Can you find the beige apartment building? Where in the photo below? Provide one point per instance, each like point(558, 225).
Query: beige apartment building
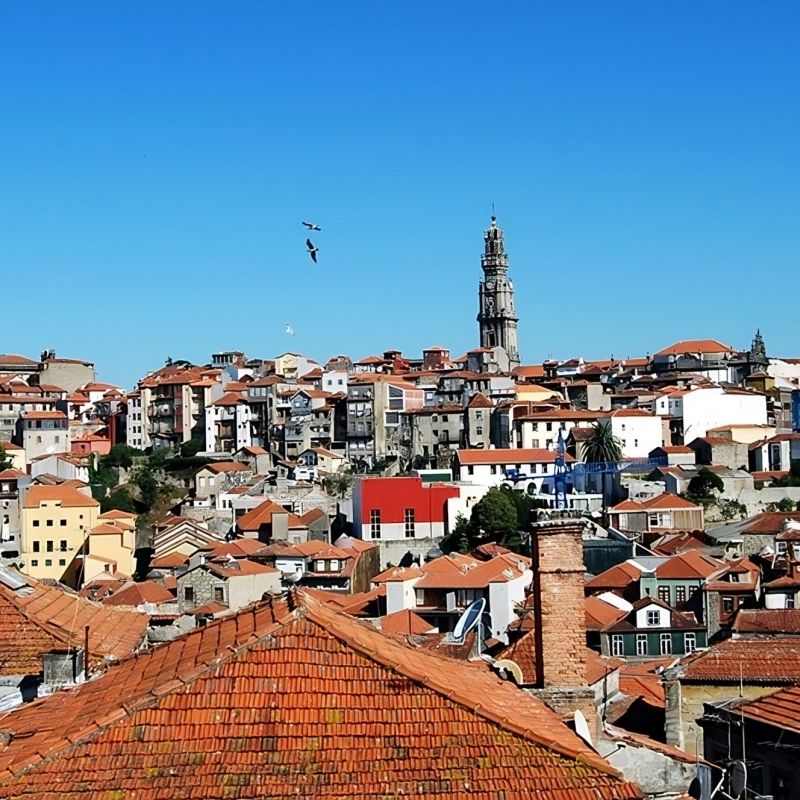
point(54, 528)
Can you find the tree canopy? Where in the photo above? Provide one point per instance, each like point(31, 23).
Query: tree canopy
point(602, 445)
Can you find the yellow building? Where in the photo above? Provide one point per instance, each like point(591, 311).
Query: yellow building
point(112, 543)
point(54, 529)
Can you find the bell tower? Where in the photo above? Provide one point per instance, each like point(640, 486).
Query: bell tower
point(497, 313)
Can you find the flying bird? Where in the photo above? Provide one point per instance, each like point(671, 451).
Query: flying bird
point(289, 329)
point(312, 251)
point(312, 226)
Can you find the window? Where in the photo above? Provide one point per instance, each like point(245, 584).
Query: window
point(663, 594)
point(689, 643)
point(219, 594)
point(790, 600)
point(641, 644)
point(333, 565)
point(548, 426)
point(375, 523)
point(320, 566)
point(63, 545)
point(49, 523)
point(36, 523)
point(470, 470)
point(36, 547)
point(62, 562)
point(617, 645)
point(34, 562)
point(420, 596)
point(653, 617)
point(62, 523)
point(666, 644)
point(635, 442)
point(680, 595)
point(48, 562)
point(727, 605)
point(49, 545)
point(188, 594)
point(408, 519)
point(479, 431)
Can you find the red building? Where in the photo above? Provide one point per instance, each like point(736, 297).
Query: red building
point(400, 508)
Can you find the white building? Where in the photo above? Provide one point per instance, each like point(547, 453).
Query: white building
point(228, 424)
point(440, 590)
point(638, 431)
point(701, 408)
point(494, 467)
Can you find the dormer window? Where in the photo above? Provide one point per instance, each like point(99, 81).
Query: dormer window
point(653, 618)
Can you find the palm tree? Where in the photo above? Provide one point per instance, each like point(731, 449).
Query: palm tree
point(601, 447)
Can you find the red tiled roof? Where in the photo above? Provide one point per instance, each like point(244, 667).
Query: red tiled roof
point(641, 680)
point(262, 515)
point(690, 565)
point(617, 577)
point(769, 522)
point(456, 571)
point(780, 709)
point(67, 496)
point(134, 594)
point(46, 618)
point(285, 703)
point(767, 621)
point(397, 574)
point(758, 660)
point(480, 401)
point(689, 346)
point(599, 613)
point(509, 456)
point(169, 561)
point(405, 622)
point(226, 466)
point(238, 567)
point(666, 501)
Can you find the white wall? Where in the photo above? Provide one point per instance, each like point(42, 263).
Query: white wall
point(469, 494)
point(246, 589)
point(713, 407)
point(641, 617)
point(400, 595)
point(503, 598)
point(638, 434)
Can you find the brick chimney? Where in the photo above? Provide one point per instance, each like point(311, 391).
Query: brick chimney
point(560, 617)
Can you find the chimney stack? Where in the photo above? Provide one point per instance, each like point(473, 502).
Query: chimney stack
point(560, 617)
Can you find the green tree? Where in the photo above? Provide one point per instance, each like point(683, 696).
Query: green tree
point(121, 455)
point(120, 498)
point(731, 509)
point(494, 516)
point(460, 538)
point(338, 485)
point(703, 486)
point(5, 461)
point(784, 505)
point(191, 448)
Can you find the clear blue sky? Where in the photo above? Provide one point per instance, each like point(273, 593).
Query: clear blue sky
point(157, 159)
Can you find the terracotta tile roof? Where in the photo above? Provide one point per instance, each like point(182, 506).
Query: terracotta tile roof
point(397, 574)
point(528, 371)
point(11, 474)
point(67, 496)
point(671, 543)
point(480, 401)
point(262, 515)
point(405, 622)
point(769, 522)
point(674, 449)
point(665, 501)
point(619, 576)
point(780, 709)
point(557, 413)
point(641, 680)
point(691, 565)
point(767, 621)
point(15, 360)
point(235, 568)
point(689, 346)
point(456, 571)
point(312, 515)
point(640, 740)
point(231, 399)
point(225, 466)
point(509, 456)
point(773, 660)
point(238, 548)
point(203, 711)
point(44, 415)
point(41, 617)
point(630, 412)
point(597, 666)
point(599, 613)
point(134, 594)
point(169, 561)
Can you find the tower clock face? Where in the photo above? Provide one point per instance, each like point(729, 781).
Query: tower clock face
point(489, 286)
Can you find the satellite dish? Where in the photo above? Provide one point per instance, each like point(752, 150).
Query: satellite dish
point(695, 788)
point(738, 779)
point(469, 619)
point(582, 727)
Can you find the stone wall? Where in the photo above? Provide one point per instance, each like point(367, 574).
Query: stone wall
point(203, 582)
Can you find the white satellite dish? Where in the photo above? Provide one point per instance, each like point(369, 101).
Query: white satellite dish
point(738, 779)
point(582, 727)
point(469, 619)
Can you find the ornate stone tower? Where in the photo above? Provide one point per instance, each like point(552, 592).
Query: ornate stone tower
point(497, 313)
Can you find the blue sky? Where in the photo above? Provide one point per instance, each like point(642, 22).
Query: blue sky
point(157, 159)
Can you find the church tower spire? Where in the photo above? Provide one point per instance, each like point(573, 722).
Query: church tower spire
point(497, 314)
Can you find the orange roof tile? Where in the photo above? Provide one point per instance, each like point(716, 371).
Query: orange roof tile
point(45, 617)
point(780, 709)
point(134, 594)
point(690, 565)
point(225, 466)
point(617, 577)
point(689, 346)
point(406, 622)
point(767, 621)
point(262, 515)
point(227, 707)
point(67, 496)
point(237, 567)
point(509, 456)
point(599, 613)
point(758, 660)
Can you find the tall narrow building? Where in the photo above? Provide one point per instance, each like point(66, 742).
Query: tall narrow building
point(497, 313)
